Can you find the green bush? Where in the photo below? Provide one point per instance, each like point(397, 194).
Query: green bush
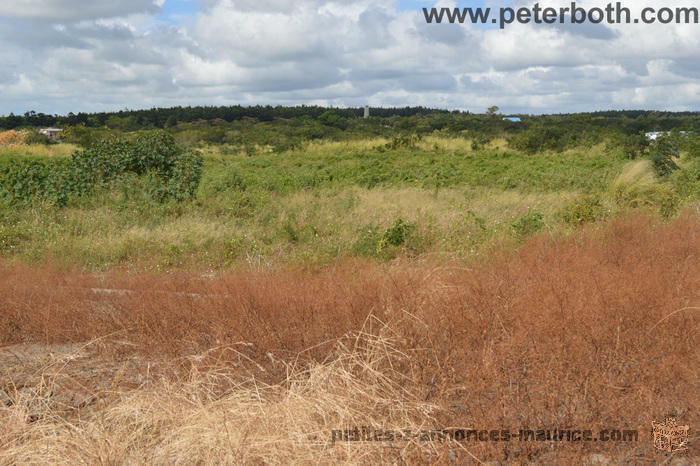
point(664, 150)
point(372, 242)
point(480, 141)
point(553, 137)
point(632, 145)
point(397, 234)
point(84, 136)
point(331, 118)
point(404, 141)
point(170, 171)
point(686, 182)
point(528, 224)
point(35, 137)
point(537, 139)
point(585, 209)
point(366, 243)
point(668, 202)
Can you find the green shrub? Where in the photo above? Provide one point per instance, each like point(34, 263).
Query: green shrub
point(401, 234)
point(331, 118)
point(84, 136)
point(664, 150)
point(35, 137)
point(366, 243)
point(397, 234)
point(480, 141)
point(528, 224)
point(227, 179)
point(537, 139)
point(24, 181)
point(583, 210)
point(404, 141)
point(634, 145)
point(285, 146)
point(686, 182)
point(668, 202)
point(171, 172)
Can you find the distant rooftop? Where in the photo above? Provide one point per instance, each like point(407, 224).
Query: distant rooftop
point(51, 133)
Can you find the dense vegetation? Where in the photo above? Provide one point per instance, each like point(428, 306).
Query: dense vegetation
point(169, 171)
point(325, 184)
point(637, 120)
point(233, 288)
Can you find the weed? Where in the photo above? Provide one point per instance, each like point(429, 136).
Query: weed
point(584, 209)
point(217, 368)
point(528, 224)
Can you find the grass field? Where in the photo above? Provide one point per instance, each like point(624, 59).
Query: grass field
point(327, 201)
point(36, 151)
point(390, 283)
point(591, 331)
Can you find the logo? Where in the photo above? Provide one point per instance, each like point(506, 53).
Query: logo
point(669, 436)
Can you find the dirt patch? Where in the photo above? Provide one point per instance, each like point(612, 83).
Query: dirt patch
point(63, 378)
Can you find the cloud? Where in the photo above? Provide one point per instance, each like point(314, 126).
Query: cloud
point(62, 55)
point(75, 10)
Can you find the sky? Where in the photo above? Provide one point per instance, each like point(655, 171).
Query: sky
point(60, 56)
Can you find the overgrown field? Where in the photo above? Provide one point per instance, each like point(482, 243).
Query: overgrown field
point(597, 330)
point(324, 201)
point(171, 303)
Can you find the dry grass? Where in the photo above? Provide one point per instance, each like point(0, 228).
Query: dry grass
point(636, 173)
point(11, 138)
point(99, 237)
point(591, 331)
point(37, 150)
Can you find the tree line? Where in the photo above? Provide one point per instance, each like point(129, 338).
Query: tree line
point(132, 120)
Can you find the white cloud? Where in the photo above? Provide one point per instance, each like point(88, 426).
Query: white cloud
point(73, 10)
point(63, 55)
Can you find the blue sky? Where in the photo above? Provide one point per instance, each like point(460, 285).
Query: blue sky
point(174, 11)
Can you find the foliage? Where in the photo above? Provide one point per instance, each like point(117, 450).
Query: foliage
point(480, 141)
point(542, 137)
point(374, 243)
point(84, 136)
point(171, 172)
point(35, 137)
point(404, 141)
point(307, 204)
point(668, 202)
point(397, 234)
point(582, 210)
point(663, 151)
point(331, 118)
point(632, 145)
point(528, 224)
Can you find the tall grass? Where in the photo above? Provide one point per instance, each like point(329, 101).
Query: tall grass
point(36, 151)
point(594, 330)
point(324, 201)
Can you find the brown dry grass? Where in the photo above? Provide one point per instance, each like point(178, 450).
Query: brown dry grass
point(11, 138)
point(591, 331)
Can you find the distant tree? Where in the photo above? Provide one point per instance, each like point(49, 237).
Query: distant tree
point(331, 118)
point(492, 110)
point(171, 121)
point(664, 150)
